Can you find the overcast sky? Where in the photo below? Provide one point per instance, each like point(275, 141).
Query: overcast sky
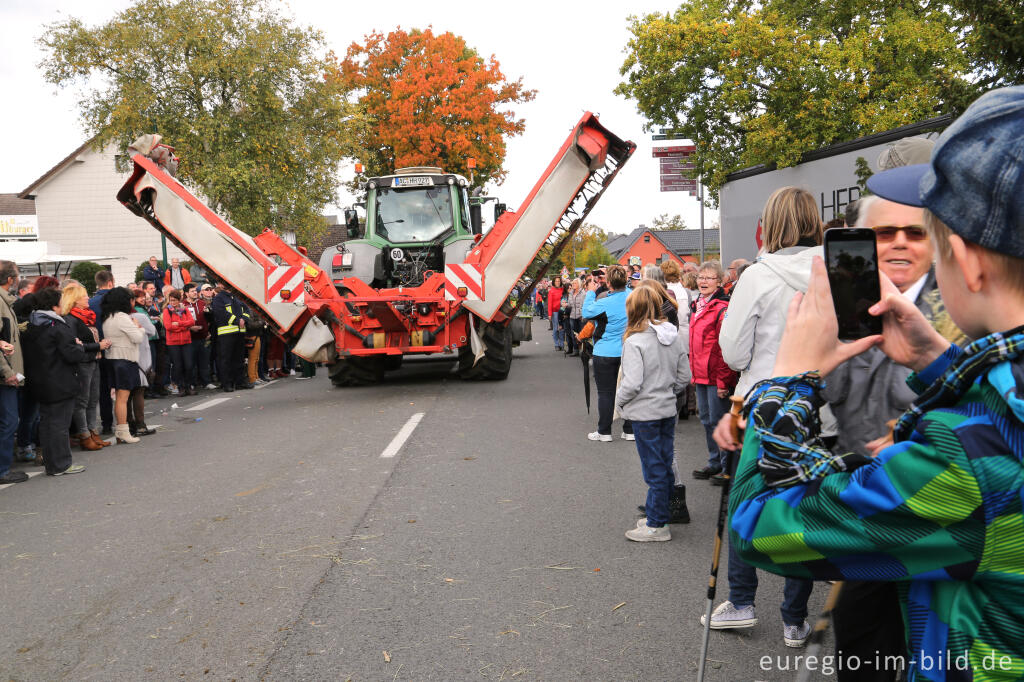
point(570, 52)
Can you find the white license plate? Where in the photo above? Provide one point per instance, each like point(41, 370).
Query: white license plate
point(413, 182)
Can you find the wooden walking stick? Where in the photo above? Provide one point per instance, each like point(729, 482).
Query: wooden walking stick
point(723, 512)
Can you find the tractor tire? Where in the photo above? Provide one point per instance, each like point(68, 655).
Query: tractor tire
point(354, 371)
point(497, 359)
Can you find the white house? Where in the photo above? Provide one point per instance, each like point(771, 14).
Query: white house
point(77, 209)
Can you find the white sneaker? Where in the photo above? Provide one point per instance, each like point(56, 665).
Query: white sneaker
point(641, 522)
point(728, 617)
point(628, 436)
point(796, 635)
point(645, 533)
point(211, 386)
point(604, 438)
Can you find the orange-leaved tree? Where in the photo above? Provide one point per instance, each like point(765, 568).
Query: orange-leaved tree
point(432, 101)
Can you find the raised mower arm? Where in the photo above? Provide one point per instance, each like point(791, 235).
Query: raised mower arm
point(245, 265)
point(563, 196)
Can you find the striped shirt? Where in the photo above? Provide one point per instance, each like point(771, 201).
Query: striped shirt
point(939, 512)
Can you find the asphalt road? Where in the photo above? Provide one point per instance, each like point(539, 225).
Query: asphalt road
point(272, 541)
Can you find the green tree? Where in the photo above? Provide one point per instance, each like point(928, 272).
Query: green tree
point(589, 247)
point(432, 101)
point(664, 222)
point(236, 88)
point(762, 82)
point(993, 32)
point(85, 274)
point(863, 172)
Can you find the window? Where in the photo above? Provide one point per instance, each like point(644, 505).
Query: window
point(647, 239)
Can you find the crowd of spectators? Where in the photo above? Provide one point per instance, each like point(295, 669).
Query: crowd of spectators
point(75, 368)
point(892, 463)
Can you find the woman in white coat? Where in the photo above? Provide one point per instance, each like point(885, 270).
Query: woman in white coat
point(750, 337)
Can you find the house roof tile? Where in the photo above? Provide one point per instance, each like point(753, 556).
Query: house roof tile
point(11, 204)
point(679, 241)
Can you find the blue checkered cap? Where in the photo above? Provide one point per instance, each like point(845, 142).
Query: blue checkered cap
point(975, 180)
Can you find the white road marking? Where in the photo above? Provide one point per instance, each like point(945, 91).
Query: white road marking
point(403, 435)
point(31, 474)
point(209, 403)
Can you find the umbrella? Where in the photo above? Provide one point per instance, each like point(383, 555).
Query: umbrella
point(586, 352)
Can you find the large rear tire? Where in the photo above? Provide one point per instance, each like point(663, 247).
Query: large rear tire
point(356, 371)
point(497, 359)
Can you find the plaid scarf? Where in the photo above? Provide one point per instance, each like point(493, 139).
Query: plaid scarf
point(784, 413)
point(977, 357)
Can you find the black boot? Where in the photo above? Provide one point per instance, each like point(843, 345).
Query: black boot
point(677, 511)
point(131, 428)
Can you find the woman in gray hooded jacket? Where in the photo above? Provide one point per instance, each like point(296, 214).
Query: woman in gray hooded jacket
point(655, 368)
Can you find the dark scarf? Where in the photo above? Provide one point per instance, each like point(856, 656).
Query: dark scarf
point(976, 359)
point(85, 315)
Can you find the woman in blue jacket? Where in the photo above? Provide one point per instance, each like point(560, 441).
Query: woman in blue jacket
point(608, 349)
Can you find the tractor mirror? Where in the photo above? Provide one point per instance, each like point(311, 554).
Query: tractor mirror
point(476, 219)
point(352, 222)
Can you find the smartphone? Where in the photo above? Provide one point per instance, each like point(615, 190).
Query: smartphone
point(852, 261)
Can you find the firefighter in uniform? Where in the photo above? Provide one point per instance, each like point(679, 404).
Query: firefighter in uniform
point(229, 319)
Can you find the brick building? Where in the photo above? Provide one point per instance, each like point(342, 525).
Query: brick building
point(655, 246)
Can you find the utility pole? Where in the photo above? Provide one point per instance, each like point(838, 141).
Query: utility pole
point(700, 198)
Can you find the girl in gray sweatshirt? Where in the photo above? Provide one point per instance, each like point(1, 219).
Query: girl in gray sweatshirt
point(655, 368)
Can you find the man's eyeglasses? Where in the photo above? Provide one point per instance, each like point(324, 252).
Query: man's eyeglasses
point(913, 233)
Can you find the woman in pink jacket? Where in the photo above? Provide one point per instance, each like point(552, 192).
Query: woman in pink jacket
point(712, 378)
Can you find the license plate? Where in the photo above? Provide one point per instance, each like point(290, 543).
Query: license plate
point(413, 182)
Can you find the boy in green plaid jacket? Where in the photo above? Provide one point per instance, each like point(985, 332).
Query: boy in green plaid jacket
point(939, 510)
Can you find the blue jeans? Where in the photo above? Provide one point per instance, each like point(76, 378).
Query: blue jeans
point(8, 426)
point(557, 333)
point(743, 587)
point(711, 409)
point(655, 444)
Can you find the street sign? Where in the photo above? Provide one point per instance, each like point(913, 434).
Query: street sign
point(671, 183)
point(678, 150)
point(668, 134)
point(672, 165)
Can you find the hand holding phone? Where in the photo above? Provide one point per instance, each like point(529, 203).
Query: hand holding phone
point(810, 341)
point(852, 261)
point(909, 338)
